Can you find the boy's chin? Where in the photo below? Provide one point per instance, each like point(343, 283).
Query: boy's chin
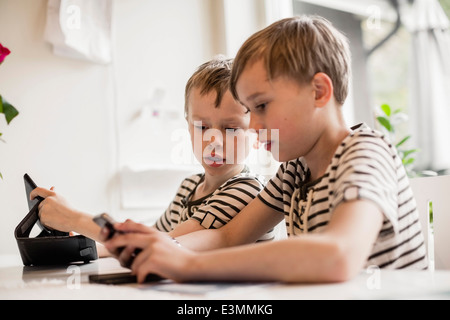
point(213, 165)
point(220, 168)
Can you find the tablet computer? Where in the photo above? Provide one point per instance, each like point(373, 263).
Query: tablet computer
point(50, 246)
point(30, 185)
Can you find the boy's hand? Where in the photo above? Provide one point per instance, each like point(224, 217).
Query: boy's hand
point(54, 211)
point(124, 254)
point(159, 253)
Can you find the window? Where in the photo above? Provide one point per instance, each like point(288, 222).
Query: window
point(394, 72)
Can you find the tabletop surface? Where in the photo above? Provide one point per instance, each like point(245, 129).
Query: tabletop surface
point(72, 282)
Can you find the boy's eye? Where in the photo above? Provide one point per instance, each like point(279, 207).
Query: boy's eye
point(200, 127)
point(232, 129)
point(260, 106)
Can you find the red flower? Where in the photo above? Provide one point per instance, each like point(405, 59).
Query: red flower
point(4, 51)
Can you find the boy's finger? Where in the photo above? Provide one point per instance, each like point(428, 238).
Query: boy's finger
point(126, 256)
point(140, 260)
point(131, 226)
point(137, 240)
point(41, 192)
point(104, 234)
point(137, 261)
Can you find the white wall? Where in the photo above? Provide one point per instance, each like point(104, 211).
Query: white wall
point(65, 133)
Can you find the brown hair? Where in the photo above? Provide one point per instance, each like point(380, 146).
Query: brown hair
point(298, 48)
point(212, 75)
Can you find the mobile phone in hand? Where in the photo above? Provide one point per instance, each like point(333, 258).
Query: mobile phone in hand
point(104, 220)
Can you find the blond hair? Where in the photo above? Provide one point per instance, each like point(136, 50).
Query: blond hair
point(298, 48)
point(212, 75)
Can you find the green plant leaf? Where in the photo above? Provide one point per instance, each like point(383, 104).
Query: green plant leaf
point(386, 109)
point(407, 162)
point(403, 141)
point(1, 175)
point(385, 123)
point(8, 110)
point(408, 152)
point(430, 210)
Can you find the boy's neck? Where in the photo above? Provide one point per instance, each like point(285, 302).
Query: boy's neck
point(211, 183)
point(320, 157)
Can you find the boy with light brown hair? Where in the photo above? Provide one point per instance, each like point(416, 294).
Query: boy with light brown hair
point(218, 126)
point(343, 192)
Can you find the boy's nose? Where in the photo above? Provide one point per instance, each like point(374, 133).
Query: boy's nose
point(216, 139)
point(215, 145)
point(255, 123)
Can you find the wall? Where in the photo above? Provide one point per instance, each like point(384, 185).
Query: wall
point(75, 116)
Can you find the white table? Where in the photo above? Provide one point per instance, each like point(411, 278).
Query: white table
point(19, 282)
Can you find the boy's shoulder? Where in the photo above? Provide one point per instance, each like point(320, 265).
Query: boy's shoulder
point(294, 168)
point(245, 178)
point(366, 153)
point(363, 135)
point(363, 129)
point(192, 179)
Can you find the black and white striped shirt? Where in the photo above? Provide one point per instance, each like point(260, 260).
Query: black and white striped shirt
point(364, 166)
point(216, 209)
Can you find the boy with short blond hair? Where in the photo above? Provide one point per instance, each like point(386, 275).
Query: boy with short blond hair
point(343, 192)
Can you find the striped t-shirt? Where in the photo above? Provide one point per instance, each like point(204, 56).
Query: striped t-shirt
point(216, 209)
point(364, 166)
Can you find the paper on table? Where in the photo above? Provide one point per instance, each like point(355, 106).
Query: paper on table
point(207, 288)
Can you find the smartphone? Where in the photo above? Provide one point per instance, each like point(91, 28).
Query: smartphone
point(121, 278)
point(104, 220)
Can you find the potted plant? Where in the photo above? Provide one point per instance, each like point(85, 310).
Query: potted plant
point(388, 120)
point(5, 107)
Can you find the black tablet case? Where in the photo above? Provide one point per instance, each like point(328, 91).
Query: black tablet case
point(51, 248)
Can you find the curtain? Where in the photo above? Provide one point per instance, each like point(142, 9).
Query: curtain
point(430, 85)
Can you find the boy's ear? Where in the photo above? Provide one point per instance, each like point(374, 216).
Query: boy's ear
point(323, 87)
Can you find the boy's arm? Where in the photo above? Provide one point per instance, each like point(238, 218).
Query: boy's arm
point(186, 227)
point(246, 227)
point(56, 213)
point(336, 254)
